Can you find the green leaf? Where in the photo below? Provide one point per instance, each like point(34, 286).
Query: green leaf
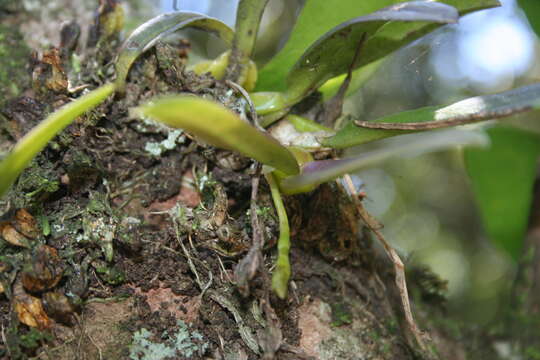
point(532, 10)
point(479, 108)
point(502, 178)
point(219, 126)
point(318, 172)
point(146, 35)
point(320, 16)
point(333, 53)
point(33, 142)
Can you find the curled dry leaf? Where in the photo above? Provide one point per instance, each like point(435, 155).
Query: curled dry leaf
point(45, 270)
point(26, 224)
point(29, 309)
point(12, 236)
point(20, 229)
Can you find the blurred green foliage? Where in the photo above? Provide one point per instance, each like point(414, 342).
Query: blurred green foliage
point(502, 178)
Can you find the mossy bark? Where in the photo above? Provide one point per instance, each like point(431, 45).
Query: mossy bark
point(151, 241)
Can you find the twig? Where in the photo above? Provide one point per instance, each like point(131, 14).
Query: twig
point(439, 124)
point(248, 266)
point(252, 110)
point(334, 107)
point(399, 268)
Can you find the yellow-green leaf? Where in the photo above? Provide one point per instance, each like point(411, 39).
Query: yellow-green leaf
point(219, 126)
point(33, 142)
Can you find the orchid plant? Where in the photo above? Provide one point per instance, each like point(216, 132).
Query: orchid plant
point(333, 57)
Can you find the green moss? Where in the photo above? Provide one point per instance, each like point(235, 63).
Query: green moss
point(341, 315)
point(35, 183)
point(14, 57)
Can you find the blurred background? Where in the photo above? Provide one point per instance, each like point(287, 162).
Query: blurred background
point(425, 202)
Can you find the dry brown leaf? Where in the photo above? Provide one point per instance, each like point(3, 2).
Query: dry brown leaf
point(29, 309)
point(12, 236)
point(45, 270)
point(26, 224)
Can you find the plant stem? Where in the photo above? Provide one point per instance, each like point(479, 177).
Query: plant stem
point(248, 19)
point(282, 272)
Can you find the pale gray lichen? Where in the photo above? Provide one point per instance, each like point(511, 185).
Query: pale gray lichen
point(156, 149)
point(182, 343)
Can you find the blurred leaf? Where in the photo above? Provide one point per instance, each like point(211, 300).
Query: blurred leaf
point(318, 172)
point(146, 35)
point(502, 178)
point(473, 109)
point(320, 16)
point(220, 127)
point(332, 54)
point(33, 142)
point(532, 10)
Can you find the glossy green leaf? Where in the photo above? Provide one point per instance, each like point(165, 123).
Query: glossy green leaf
point(33, 142)
point(532, 11)
point(320, 16)
point(502, 178)
point(333, 53)
point(146, 35)
point(474, 109)
point(318, 172)
point(219, 126)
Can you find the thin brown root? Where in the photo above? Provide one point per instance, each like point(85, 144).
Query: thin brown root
point(247, 267)
point(399, 268)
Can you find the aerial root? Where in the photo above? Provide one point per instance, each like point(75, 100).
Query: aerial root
point(399, 268)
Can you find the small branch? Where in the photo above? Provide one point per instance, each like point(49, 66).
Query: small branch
point(246, 96)
point(439, 124)
point(248, 266)
point(334, 107)
point(399, 268)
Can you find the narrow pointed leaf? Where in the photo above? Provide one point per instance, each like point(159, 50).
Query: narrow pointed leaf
point(146, 35)
point(502, 178)
point(33, 142)
point(318, 172)
point(479, 108)
point(219, 126)
point(320, 16)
